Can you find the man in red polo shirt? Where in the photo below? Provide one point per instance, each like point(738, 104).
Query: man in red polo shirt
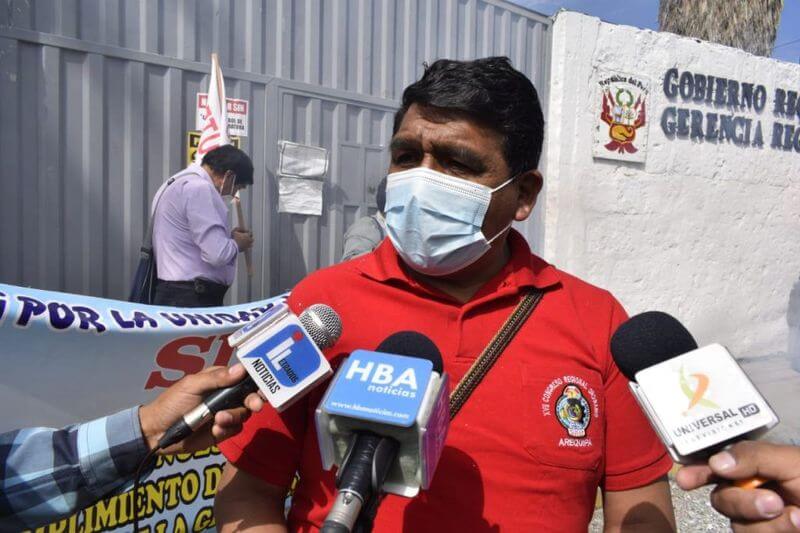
point(464, 154)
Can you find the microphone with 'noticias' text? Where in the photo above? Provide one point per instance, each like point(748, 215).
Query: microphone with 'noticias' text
point(383, 421)
point(699, 400)
point(281, 353)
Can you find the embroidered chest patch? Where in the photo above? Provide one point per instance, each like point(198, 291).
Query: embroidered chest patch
point(573, 403)
point(573, 411)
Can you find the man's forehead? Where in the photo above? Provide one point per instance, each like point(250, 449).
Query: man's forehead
point(444, 128)
point(408, 140)
point(437, 116)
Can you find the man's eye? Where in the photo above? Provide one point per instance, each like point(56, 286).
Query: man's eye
point(459, 167)
point(403, 159)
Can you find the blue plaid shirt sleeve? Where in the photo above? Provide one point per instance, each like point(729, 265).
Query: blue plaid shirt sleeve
point(47, 474)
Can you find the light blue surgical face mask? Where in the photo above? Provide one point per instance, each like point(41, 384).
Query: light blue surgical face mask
point(434, 220)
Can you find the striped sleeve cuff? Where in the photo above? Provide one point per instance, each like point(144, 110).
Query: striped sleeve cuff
point(110, 449)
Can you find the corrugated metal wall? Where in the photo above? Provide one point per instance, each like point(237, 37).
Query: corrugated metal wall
point(96, 97)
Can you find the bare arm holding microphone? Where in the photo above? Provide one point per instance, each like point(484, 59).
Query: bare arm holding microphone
point(774, 507)
point(49, 474)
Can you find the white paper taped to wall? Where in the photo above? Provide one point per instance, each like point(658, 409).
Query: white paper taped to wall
point(299, 195)
point(302, 161)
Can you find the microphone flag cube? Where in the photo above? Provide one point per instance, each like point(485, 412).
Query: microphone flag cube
point(280, 356)
point(381, 387)
point(699, 401)
point(394, 396)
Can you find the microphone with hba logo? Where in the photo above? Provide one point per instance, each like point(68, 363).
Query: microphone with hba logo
point(698, 400)
point(383, 422)
point(281, 353)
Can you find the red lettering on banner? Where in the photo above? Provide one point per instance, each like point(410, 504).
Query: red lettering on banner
point(173, 356)
point(170, 357)
point(211, 122)
point(208, 143)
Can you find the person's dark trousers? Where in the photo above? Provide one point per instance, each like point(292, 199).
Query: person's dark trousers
point(197, 293)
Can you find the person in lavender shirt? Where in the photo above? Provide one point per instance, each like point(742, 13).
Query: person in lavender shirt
point(194, 246)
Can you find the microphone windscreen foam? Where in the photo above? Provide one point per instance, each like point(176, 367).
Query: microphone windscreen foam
point(647, 339)
point(413, 344)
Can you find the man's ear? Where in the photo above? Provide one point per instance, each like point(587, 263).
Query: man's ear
point(529, 185)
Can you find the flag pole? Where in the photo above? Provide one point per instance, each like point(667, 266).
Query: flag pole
point(248, 255)
point(237, 201)
point(220, 87)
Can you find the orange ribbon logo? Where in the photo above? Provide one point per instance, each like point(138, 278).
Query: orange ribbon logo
point(696, 395)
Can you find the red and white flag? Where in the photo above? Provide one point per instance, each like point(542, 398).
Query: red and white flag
point(215, 128)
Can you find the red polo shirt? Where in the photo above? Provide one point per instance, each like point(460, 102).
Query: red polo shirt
point(550, 422)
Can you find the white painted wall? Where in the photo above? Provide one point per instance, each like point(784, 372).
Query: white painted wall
point(707, 232)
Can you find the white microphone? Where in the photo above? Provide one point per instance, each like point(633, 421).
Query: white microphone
point(281, 353)
point(698, 400)
point(383, 422)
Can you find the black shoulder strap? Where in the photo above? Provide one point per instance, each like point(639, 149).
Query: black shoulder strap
point(492, 352)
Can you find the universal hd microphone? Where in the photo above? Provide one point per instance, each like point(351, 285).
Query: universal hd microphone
point(698, 400)
point(383, 422)
point(281, 353)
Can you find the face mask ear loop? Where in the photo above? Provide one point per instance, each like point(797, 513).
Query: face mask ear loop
point(490, 241)
point(509, 180)
point(225, 182)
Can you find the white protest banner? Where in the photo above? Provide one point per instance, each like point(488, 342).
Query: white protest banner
point(213, 132)
point(236, 110)
point(68, 358)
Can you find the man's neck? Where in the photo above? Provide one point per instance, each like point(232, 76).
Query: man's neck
point(463, 285)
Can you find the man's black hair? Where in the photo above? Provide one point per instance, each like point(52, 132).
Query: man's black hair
point(491, 92)
point(228, 157)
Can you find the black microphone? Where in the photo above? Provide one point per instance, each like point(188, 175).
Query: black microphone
point(647, 339)
point(374, 447)
point(319, 322)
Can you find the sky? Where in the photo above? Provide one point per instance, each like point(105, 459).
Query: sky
point(644, 14)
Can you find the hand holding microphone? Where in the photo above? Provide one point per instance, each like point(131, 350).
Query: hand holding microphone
point(774, 507)
point(280, 352)
point(169, 407)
